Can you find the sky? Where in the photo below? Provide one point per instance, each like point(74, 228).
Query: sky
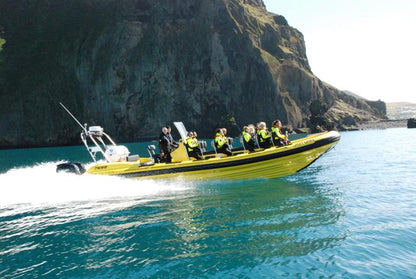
point(367, 47)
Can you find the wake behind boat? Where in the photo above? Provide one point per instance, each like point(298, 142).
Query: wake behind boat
point(272, 162)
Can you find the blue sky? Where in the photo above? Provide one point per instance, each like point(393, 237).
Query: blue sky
point(364, 46)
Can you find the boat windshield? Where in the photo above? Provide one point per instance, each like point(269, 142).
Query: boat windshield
point(181, 129)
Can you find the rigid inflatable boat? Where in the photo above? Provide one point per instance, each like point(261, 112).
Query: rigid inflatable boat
point(112, 159)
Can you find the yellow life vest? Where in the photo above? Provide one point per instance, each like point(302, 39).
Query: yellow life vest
point(246, 136)
point(277, 134)
point(263, 135)
point(191, 143)
point(220, 140)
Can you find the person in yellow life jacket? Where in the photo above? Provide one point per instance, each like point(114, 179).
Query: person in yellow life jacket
point(279, 139)
point(192, 146)
point(248, 141)
point(221, 143)
point(196, 142)
point(229, 140)
point(263, 136)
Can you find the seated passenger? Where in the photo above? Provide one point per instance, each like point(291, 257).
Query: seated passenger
point(278, 138)
point(253, 133)
point(195, 138)
point(263, 136)
point(192, 146)
point(248, 141)
point(221, 143)
point(229, 140)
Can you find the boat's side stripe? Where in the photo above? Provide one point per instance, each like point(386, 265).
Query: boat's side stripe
point(316, 144)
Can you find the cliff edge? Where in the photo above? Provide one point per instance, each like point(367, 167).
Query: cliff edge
point(133, 66)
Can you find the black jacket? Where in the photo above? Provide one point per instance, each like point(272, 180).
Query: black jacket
point(164, 143)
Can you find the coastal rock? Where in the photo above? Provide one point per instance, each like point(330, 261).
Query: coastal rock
point(411, 123)
point(133, 66)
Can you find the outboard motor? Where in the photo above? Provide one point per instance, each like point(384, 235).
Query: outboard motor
point(71, 167)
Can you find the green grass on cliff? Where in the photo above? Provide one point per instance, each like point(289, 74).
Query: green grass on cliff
point(260, 14)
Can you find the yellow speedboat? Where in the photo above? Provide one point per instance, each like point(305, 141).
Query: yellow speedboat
point(263, 163)
point(269, 163)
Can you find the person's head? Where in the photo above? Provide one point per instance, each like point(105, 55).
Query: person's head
point(261, 126)
point(246, 129)
point(169, 129)
point(165, 130)
point(277, 123)
point(224, 131)
point(189, 134)
point(194, 134)
point(218, 131)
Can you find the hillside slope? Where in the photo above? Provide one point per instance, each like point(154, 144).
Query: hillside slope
point(135, 65)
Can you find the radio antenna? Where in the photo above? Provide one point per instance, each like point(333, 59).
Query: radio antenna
point(76, 120)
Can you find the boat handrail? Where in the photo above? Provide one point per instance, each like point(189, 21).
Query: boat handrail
point(242, 141)
point(213, 145)
point(94, 149)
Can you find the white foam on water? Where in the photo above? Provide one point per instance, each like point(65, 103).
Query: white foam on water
point(41, 185)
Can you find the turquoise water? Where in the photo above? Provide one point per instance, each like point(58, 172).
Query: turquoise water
point(352, 214)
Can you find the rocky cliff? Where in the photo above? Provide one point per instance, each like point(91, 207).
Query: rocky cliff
point(135, 65)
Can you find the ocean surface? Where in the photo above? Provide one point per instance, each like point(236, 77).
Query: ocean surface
point(351, 214)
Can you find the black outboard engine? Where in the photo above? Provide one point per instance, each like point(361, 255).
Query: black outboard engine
point(71, 167)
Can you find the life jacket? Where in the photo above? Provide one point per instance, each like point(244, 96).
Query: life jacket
point(219, 140)
point(189, 143)
point(194, 142)
point(246, 136)
point(277, 134)
point(263, 136)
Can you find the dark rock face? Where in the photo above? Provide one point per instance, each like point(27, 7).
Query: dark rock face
point(411, 123)
point(132, 66)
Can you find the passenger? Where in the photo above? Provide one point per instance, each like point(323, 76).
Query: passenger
point(229, 140)
point(165, 146)
point(197, 148)
point(252, 131)
point(221, 142)
point(173, 143)
point(278, 138)
point(263, 136)
point(248, 141)
point(191, 144)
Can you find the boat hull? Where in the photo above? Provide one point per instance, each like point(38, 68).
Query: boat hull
point(270, 163)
